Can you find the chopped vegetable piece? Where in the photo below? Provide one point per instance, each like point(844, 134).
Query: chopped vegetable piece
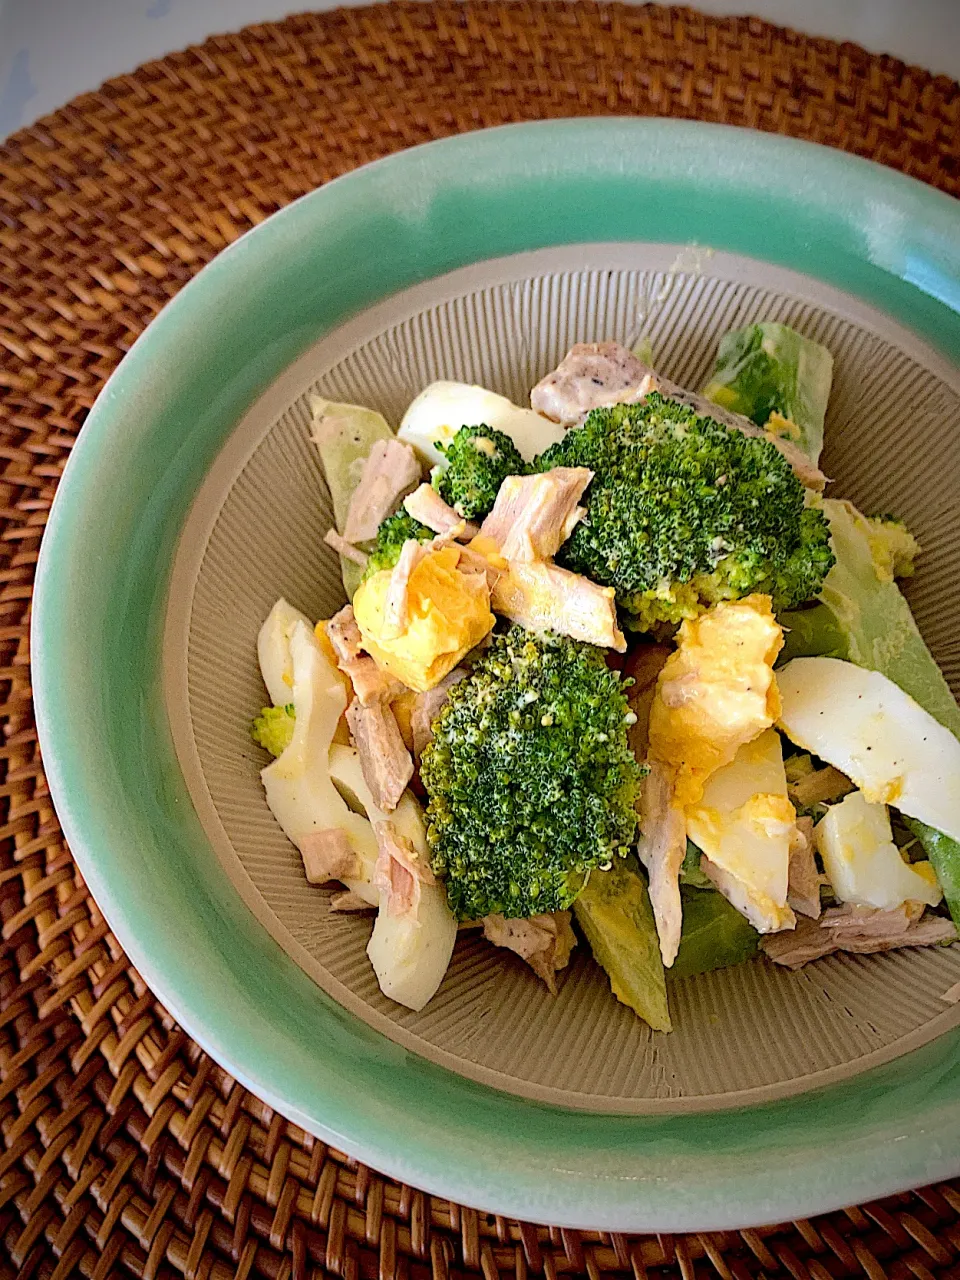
point(397, 529)
point(865, 619)
point(944, 855)
point(690, 872)
point(769, 369)
point(344, 435)
point(615, 915)
point(531, 781)
point(715, 935)
point(478, 460)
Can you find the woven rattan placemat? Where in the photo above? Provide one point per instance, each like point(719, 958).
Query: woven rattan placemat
point(125, 1149)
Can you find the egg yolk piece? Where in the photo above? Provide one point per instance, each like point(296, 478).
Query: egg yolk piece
point(716, 692)
point(448, 614)
point(745, 824)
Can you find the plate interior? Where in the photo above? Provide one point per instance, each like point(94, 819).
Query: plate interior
point(256, 532)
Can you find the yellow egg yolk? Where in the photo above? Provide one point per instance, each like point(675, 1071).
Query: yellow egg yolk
point(716, 692)
point(448, 614)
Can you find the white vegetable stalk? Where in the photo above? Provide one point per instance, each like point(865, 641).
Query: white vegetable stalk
point(300, 791)
point(410, 952)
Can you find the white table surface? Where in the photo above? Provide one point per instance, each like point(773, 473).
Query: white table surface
point(51, 50)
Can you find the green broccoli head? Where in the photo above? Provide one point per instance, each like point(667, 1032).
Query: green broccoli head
point(392, 534)
point(530, 779)
point(683, 512)
point(273, 728)
point(895, 549)
point(478, 460)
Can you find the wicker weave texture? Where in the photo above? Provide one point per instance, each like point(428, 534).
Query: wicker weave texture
point(125, 1150)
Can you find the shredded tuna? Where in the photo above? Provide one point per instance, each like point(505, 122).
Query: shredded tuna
point(472, 561)
point(851, 921)
point(823, 786)
point(396, 610)
point(544, 942)
point(590, 376)
point(329, 855)
point(534, 515)
point(426, 505)
point(350, 901)
point(543, 597)
point(399, 872)
point(426, 708)
point(345, 548)
point(644, 664)
point(386, 763)
point(599, 374)
point(370, 683)
point(861, 930)
point(807, 472)
point(344, 634)
point(390, 471)
point(662, 845)
point(804, 880)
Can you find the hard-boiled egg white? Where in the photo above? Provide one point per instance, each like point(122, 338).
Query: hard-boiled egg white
point(869, 729)
point(863, 864)
point(347, 773)
point(410, 953)
point(298, 786)
point(744, 824)
point(273, 651)
point(442, 408)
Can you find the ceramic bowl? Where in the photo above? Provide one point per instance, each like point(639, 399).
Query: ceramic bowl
point(194, 499)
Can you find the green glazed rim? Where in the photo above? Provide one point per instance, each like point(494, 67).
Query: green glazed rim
point(101, 594)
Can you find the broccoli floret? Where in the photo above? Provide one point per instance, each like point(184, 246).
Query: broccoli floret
point(392, 534)
point(530, 779)
point(683, 512)
point(894, 547)
point(478, 460)
point(273, 728)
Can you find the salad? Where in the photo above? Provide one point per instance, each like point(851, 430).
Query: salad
point(615, 673)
